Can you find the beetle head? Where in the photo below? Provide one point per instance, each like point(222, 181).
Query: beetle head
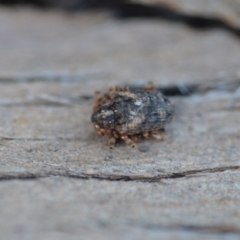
point(104, 116)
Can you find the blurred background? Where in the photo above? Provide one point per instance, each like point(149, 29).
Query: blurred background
point(58, 176)
point(167, 41)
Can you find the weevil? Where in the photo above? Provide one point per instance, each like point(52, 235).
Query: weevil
point(128, 115)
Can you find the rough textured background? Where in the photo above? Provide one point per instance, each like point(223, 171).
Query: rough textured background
point(59, 180)
point(229, 10)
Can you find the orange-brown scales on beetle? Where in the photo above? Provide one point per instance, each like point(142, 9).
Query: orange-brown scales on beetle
point(128, 115)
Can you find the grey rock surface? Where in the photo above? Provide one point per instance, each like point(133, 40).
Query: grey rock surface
point(58, 178)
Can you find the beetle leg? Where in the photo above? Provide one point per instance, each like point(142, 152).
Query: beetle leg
point(102, 131)
point(115, 134)
point(112, 142)
point(128, 141)
point(158, 136)
point(99, 99)
point(112, 90)
point(150, 86)
point(124, 89)
point(146, 134)
point(134, 138)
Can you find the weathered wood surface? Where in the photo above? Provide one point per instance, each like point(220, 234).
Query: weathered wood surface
point(59, 180)
point(227, 10)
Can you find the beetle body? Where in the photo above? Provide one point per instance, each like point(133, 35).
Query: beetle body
point(127, 114)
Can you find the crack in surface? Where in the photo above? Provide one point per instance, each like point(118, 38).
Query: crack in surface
point(214, 229)
point(112, 177)
point(128, 9)
point(172, 14)
point(181, 89)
